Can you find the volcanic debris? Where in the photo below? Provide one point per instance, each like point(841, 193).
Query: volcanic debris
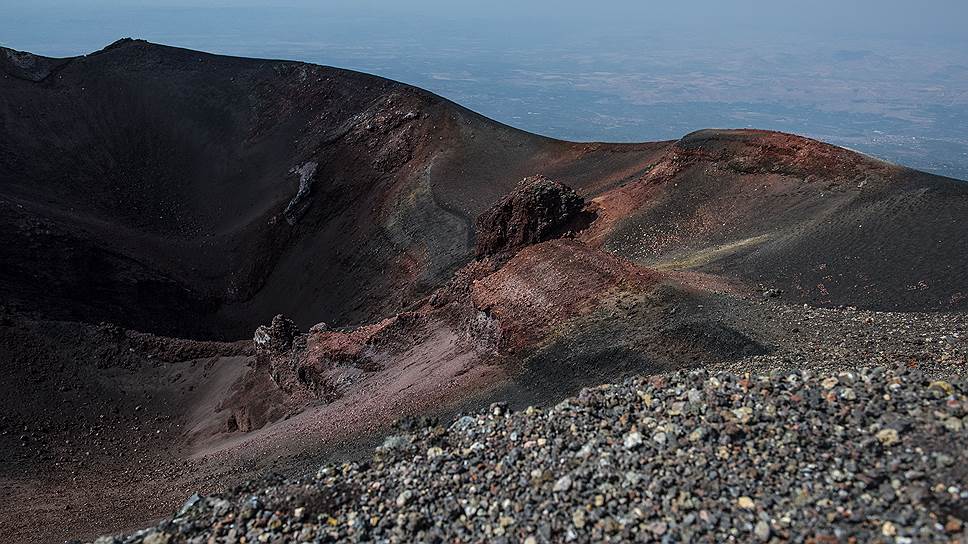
point(873, 454)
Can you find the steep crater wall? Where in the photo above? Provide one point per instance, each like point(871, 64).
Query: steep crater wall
point(197, 195)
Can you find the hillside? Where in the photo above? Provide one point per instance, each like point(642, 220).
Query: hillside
point(216, 267)
point(185, 193)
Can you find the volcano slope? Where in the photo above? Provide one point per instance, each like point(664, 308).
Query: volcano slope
point(161, 204)
point(187, 193)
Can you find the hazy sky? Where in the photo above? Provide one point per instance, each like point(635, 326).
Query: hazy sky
point(889, 77)
point(72, 27)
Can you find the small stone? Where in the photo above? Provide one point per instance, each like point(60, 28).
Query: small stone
point(762, 531)
point(697, 434)
point(156, 538)
point(319, 328)
point(658, 528)
point(395, 442)
point(404, 497)
point(888, 437)
point(744, 414)
point(498, 409)
point(829, 383)
point(578, 518)
point(463, 424)
point(944, 460)
point(189, 504)
point(220, 507)
point(942, 386)
point(607, 461)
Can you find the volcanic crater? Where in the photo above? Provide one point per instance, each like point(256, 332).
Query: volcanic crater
point(214, 267)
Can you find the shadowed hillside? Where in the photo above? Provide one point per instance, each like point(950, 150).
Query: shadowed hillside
point(188, 193)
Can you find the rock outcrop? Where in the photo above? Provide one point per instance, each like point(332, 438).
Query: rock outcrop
point(538, 209)
point(277, 336)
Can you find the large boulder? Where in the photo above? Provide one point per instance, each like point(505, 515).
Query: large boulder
point(538, 209)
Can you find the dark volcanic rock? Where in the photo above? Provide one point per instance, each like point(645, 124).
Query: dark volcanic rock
point(685, 457)
point(277, 336)
point(538, 209)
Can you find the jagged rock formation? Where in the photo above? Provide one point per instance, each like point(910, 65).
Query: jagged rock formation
point(538, 209)
point(277, 337)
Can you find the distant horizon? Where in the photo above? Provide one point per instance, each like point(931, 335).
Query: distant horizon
point(134, 38)
point(891, 82)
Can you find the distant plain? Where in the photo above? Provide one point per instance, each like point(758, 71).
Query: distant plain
point(889, 85)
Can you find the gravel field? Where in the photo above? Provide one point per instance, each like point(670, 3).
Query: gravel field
point(876, 454)
point(834, 339)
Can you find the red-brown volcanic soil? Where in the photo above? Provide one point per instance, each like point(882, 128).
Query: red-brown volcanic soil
point(158, 204)
point(825, 225)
